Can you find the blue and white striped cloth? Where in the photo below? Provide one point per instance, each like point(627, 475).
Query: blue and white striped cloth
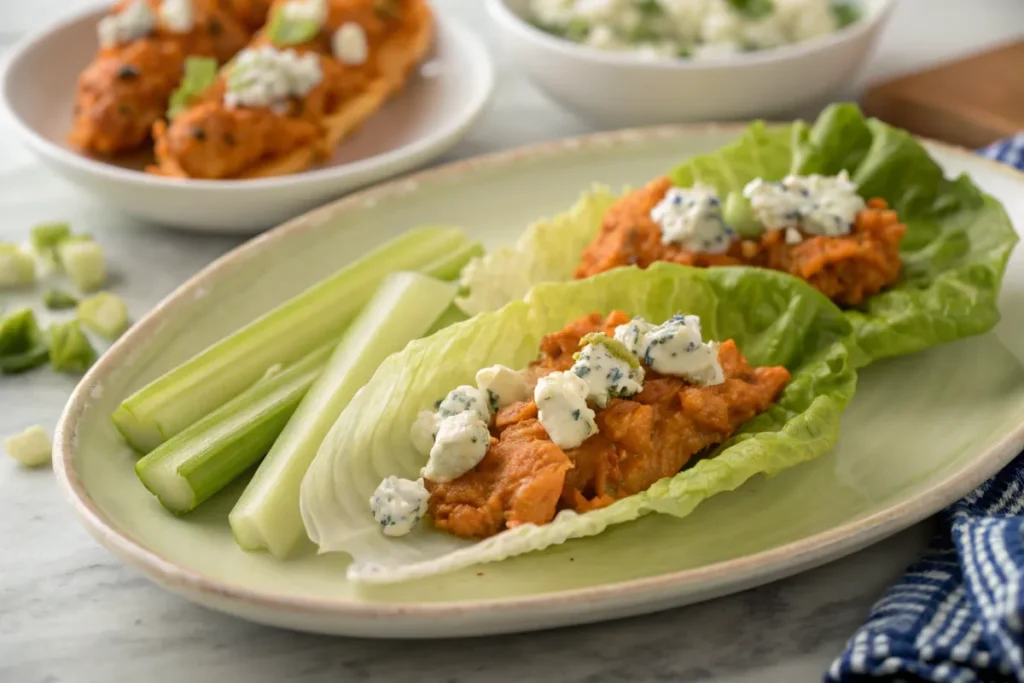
point(957, 615)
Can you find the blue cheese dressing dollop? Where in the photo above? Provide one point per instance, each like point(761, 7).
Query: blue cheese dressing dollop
point(692, 218)
point(398, 505)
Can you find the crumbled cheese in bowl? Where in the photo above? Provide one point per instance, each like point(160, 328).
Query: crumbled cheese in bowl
point(398, 505)
point(701, 29)
point(177, 16)
point(265, 77)
point(135, 21)
point(692, 218)
point(349, 44)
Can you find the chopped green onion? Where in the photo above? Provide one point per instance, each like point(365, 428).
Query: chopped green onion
point(207, 456)
point(200, 74)
point(22, 345)
point(320, 314)
point(105, 314)
point(58, 300)
point(753, 9)
point(284, 31)
point(17, 268)
point(31, 448)
point(845, 13)
point(48, 236)
point(403, 308)
point(84, 262)
point(737, 213)
point(70, 350)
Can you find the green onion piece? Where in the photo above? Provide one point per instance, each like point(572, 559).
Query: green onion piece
point(284, 31)
point(105, 314)
point(17, 268)
point(31, 448)
point(46, 237)
point(200, 74)
point(845, 13)
point(70, 350)
point(84, 262)
point(22, 345)
point(753, 9)
point(207, 456)
point(58, 300)
point(737, 213)
point(320, 314)
point(403, 308)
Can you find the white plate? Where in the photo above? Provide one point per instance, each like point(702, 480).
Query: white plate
point(906, 450)
point(441, 102)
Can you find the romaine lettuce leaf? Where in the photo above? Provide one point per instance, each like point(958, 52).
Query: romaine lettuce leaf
point(775, 320)
point(957, 242)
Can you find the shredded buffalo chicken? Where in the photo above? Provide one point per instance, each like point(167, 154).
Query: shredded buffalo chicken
point(847, 268)
point(525, 478)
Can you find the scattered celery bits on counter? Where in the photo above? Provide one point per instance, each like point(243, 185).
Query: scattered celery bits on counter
point(22, 345)
point(83, 261)
point(70, 349)
point(31, 448)
point(58, 300)
point(105, 314)
point(17, 267)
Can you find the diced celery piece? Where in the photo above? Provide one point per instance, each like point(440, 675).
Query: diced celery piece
point(48, 236)
point(58, 300)
point(84, 263)
point(105, 314)
point(70, 350)
point(207, 456)
point(737, 213)
point(17, 268)
point(200, 74)
point(403, 308)
point(22, 345)
point(320, 314)
point(31, 448)
point(284, 31)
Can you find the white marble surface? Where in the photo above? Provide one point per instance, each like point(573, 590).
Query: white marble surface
point(70, 612)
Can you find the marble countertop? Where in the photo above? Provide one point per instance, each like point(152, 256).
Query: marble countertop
point(70, 612)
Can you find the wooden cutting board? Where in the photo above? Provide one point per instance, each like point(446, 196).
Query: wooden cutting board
point(970, 102)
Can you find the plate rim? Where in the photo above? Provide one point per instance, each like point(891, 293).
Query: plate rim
point(469, 46)
point(747, 571)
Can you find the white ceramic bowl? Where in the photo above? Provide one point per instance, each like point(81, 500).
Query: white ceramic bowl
point(439, 105)
point(621, 89)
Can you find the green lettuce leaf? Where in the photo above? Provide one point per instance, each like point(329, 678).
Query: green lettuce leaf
point(547, 252)
point(775, 319)
point(957, 242)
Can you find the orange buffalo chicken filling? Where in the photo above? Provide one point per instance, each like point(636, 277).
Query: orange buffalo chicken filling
point(525, 478)
point(847, 268)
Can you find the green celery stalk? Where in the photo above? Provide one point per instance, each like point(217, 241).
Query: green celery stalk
point(207, 456)
point(199, 386)
point(404, 307)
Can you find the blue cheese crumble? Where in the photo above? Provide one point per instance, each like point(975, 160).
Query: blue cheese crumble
point(349, 44)
point(136, 20)
point(675, 348)
point(814, 204)
point(398, 505)
point(609, 369)
point(268, 77)
point(502, 386)
point(562, 410)
point(177, 16)
point(692, 218)
point(461, 443)
point(424, 431)
point(462, 399)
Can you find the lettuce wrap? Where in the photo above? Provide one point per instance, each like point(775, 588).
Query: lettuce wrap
point(774, 319)
point(954, 252)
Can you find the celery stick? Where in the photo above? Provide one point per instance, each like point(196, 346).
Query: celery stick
point(404, 308)
point(453, 315)
point(207, 456)
point(321, 313)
